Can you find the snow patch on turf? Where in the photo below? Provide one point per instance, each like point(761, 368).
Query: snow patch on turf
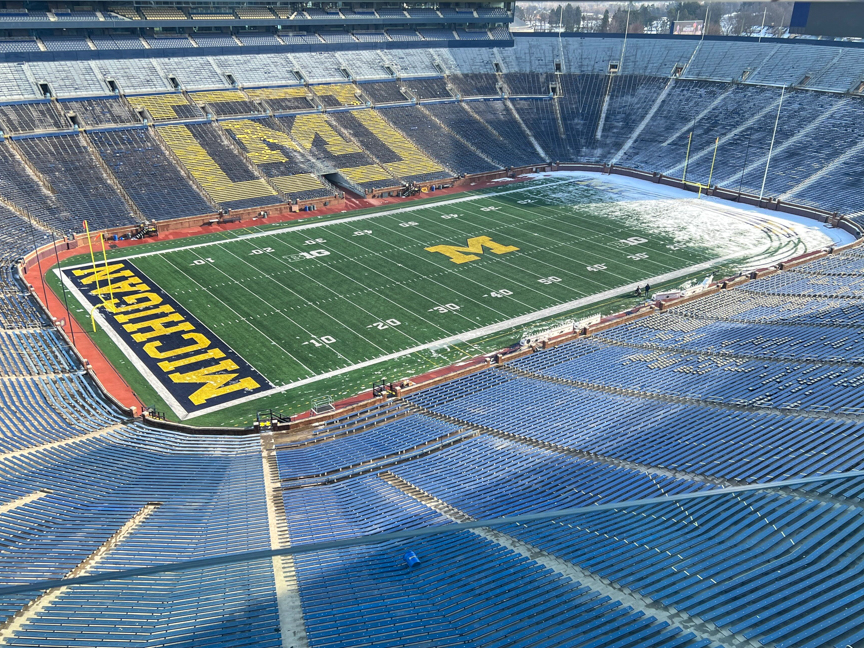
point(760, 237)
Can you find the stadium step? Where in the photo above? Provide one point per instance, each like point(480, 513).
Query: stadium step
point(527, 440)
point(32, 610)
point(577, 574)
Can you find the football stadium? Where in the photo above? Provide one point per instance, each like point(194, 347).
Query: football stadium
point(390, 324)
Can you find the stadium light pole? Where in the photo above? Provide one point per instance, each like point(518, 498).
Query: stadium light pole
point(762, 28)
point(624, 44)
point(771, 148)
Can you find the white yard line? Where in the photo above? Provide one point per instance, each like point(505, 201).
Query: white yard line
point(339, 296)
point(520, 254)
point(306, 301)
point(121, 344)
point(338, 221)
point(239, 316)
point(758, 220)
point(476, 333)
point(404, 285)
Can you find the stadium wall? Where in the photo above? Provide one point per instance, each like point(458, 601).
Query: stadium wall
point(246, 50)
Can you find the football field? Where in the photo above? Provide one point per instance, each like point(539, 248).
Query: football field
point(217, 323)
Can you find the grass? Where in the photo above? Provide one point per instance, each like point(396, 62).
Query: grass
point(311, 301)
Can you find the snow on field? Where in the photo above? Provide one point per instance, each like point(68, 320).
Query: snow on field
point(760, 237)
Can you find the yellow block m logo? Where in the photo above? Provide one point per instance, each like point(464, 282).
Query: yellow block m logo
point(475, 247)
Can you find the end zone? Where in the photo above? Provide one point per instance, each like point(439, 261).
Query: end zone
point(185, 362)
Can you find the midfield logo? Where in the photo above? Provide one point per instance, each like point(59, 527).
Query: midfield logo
point(471, 251)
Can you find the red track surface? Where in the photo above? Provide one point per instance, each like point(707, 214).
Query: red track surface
point(105, 371)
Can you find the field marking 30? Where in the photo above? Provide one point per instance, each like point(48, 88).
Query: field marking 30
point(476, 333)
point(337, 221)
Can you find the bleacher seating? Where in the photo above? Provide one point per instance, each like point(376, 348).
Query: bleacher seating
point(18, 45)
point(217, 167)
point(500, 34)
point(226, 103)
point(428, 88)
point(381, 141)
point(104, 111)
point(75, 15)
point(320, 67)
point(436, 34)
point(70, 78)
point(278, 158)
point(31, 118)
point(128, 12)
point(133, 75)
point(31, 196)
point(248, 38)
point(475, 85)
point(383, 92)
point(370, 36)
point(253, 13)
point(480, 136)
point(399, 35)
point(77, 180)
point(472, 34)
point(168, 42)
point(116, 41)
point(439, 143)
point(325, 145)
point(211, 14)
point(215, 40)
point(195, 73)
point(148, 175)
point(163, 13)
point(365, 65)
point(291, 99)
point(756, 384)
point(299, 38)
point(336, 37)
point(166, 107)
point(259, 70)
point(64, 43)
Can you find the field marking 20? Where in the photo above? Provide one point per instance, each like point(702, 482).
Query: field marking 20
point(340, 221)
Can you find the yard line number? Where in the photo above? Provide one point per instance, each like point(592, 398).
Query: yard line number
point(321, 341)
point(444, 308)
point(385, 324)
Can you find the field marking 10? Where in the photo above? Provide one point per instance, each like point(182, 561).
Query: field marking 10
point(326, 339)
point(311, 254)
point(202, 261)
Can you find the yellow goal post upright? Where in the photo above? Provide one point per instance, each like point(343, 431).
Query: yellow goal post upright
point(109, 304)
point(699, 185)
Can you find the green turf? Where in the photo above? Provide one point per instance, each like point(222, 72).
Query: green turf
point(378, 292)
